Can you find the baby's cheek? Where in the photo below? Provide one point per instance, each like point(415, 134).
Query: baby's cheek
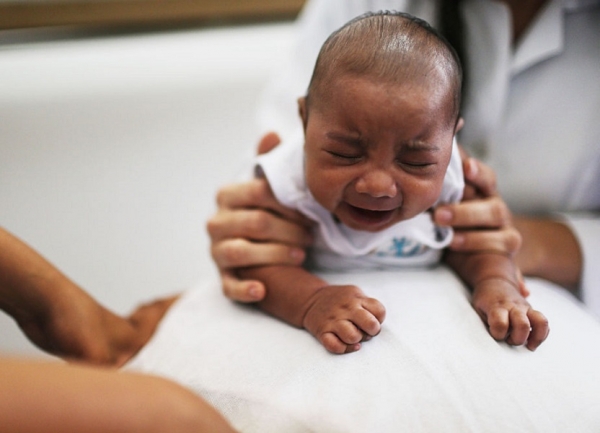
point(426, 193)
point(326, 188)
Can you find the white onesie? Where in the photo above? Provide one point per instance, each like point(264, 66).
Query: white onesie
point(413, 242)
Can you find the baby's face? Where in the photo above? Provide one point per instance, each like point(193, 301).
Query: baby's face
point(376, 154)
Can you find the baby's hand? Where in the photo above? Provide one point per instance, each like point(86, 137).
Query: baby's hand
point(340, 317)
point(508, 315)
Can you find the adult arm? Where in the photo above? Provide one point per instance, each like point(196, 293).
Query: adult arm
point(251, 228)
point(550, 250)
point(544, 247)
point(60, 317)
point(586, 229)
point(54, 397)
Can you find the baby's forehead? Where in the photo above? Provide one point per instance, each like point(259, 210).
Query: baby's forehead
point(393, 93)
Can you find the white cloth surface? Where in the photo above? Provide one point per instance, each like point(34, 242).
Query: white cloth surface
point(433, 368)
point(531, 111)
point(337, 247)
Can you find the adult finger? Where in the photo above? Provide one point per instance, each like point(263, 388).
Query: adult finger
point(255, 193)
point(480, 176)
point(144, 321)
point(507, 240)
point(257, 225)
point(490, 212)
point(236, 253)
point(268, 142)
point(242, 290)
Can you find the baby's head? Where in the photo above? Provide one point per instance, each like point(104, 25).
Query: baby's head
point(379, 119)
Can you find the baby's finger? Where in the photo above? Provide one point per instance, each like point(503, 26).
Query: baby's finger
point(374, 307)
point(539, 329)
point(519, 327)
point(347, 332)
point(498, 322)
point(367, 322)
point(334, 345)
point(242, 291)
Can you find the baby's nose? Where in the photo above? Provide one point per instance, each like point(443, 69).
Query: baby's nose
point(377, 183)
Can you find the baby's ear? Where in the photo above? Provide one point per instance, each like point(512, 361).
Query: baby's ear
point(303, 111)
point(459, 125)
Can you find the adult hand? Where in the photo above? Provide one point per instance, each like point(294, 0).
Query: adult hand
point(80, 329)
point(251, 228)
point(482, 221)
point(61, 318)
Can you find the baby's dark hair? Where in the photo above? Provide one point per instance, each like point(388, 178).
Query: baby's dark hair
point(389, 46)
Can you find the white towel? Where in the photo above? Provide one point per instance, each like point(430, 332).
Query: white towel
point(433, 368)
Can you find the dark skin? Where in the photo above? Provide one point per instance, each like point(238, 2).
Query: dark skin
point(341, 317)
point(61, 318)
point(251, 228)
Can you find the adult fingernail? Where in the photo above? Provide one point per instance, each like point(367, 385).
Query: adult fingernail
point(254, 291)
point(473, 167)
point(297, 254)
point(443, 216)
point(458, 240)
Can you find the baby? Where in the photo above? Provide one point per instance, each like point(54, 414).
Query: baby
point(379, 121)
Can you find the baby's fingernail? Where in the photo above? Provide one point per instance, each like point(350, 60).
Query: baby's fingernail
point(443, 216)
point(297, 254)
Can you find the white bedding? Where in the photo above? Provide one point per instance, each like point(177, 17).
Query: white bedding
point(433, 368)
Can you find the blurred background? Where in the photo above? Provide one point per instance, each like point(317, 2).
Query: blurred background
point(118, 122)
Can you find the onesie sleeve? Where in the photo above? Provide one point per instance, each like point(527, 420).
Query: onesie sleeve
point(283, 167)
point(454, 181)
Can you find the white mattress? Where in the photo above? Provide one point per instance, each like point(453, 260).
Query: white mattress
point(433, 368)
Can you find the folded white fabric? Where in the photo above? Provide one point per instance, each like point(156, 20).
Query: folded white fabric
point(433, 368)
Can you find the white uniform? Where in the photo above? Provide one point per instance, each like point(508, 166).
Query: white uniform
point(414, 242)
point(532, 111)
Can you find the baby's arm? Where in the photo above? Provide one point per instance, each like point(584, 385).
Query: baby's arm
point(340, 317)
point(497, 299)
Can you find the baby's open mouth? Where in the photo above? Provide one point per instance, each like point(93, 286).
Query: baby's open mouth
point(370, 218)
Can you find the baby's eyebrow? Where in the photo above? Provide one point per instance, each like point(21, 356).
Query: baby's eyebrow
point(420, 146)
point(344, 138)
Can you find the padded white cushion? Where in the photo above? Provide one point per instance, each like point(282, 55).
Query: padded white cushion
point(433, 368)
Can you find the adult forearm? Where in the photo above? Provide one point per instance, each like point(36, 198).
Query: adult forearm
point(60, 317)
point(550, 251)
point(289, 290)
point(29, 285)
point(59, 398)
